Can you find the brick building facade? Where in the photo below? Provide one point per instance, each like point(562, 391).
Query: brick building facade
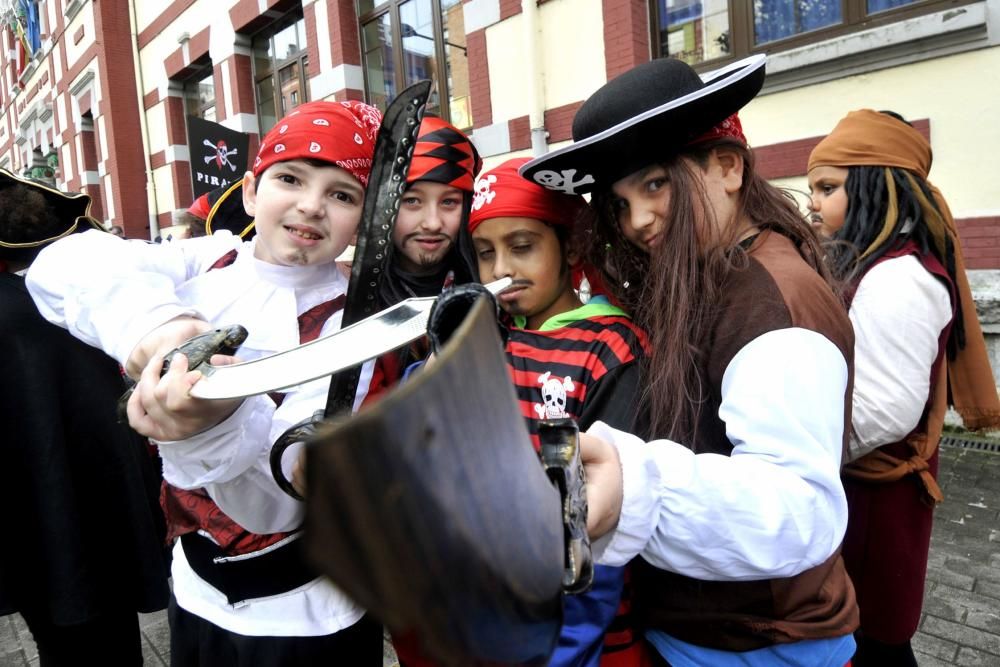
point(105, 96)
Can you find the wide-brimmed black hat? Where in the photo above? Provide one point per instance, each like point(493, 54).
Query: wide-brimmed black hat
point(227, 212)
point(71, 213)
point(643, 116)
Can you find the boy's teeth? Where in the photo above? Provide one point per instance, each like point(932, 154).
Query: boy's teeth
point(303, 234)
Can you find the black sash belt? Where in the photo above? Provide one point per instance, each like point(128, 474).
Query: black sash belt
point(272, 571)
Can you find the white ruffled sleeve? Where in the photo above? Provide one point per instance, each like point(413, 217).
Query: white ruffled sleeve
point(898, 314)
point(110, 293)
point(776, 506)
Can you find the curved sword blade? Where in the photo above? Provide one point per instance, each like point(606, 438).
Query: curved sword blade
point(371, 337)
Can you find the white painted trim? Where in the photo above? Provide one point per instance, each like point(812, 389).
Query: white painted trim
point(170, 88)
point(71, 9)
point(82, 82)
point(492, 139)
point(227, 86)
point(900, 43)
point(242, 122)
point(341, 77)
point(177, 152)
point(109, 199)
point(480, 14)
point(323, 42)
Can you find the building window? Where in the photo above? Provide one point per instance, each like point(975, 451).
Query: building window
point(199, 93)
point(699, 31)
point(403, 41)
point(280, 64)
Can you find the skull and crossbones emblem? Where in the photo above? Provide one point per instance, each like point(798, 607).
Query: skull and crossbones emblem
point(483, 194)
point(562, 181)
point(221, 154)
point(553, 405)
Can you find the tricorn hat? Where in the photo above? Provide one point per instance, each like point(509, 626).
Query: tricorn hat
point(227, 212)
point(643, 116)
point(71, 214)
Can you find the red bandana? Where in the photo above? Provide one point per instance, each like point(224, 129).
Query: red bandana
point(201, 207)
point(730, 128)
point(444, 155)
point(341, 133)
point(502, 192)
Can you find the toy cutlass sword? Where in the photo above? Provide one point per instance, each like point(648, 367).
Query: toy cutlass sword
point(369, 338)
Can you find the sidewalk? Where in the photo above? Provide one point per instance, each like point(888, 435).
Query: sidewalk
point(961, 623)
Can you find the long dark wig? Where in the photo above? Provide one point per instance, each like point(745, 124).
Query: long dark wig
point(674, 292)
point(886, 208)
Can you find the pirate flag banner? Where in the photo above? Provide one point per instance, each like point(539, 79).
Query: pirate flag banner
point(218, 154)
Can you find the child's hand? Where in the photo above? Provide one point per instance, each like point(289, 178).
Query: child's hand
point(162, 408)
point(604, 484)
point(161, 340)
point(299, 473)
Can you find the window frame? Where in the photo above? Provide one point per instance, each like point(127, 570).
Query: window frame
point(300, 57)
point(391, 7)
point(741, 26)
point(205, 70)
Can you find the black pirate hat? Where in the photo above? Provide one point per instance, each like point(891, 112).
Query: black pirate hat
point(227, 212)
point(643, 116)
point(70, 213)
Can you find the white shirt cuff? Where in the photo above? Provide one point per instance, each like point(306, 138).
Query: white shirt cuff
point(640, 479)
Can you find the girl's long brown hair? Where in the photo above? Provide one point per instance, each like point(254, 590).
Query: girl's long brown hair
point(675, 292)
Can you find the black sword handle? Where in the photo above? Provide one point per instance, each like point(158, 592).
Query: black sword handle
point(394, 146)
point(301, 432)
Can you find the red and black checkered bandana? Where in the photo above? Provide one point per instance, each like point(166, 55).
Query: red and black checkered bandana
point(443, 154)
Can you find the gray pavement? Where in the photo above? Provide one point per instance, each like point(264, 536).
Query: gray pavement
point(961, 621)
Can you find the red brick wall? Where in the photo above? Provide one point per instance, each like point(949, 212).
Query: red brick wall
point(980, 242)
point(176, 123)
point(312, 41)
point(509, 8)
point(789, 158)
point(626, 35)
point(559, 121)
point(241, 73)
point(520, 133)
point(479, 79)
point(345, 42)
point(124, 163)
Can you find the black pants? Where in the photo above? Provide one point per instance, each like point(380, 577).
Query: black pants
point(873, 653)
point(195, 642)
point(111, 639)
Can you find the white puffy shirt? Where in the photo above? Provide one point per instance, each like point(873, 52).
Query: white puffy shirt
point(110, 293)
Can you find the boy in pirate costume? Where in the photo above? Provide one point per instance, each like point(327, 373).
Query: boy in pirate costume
point(85, 532)
point(918, 349)
point(430, 248)
point(242, 594)
point(566, 359)
point(735, 514)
